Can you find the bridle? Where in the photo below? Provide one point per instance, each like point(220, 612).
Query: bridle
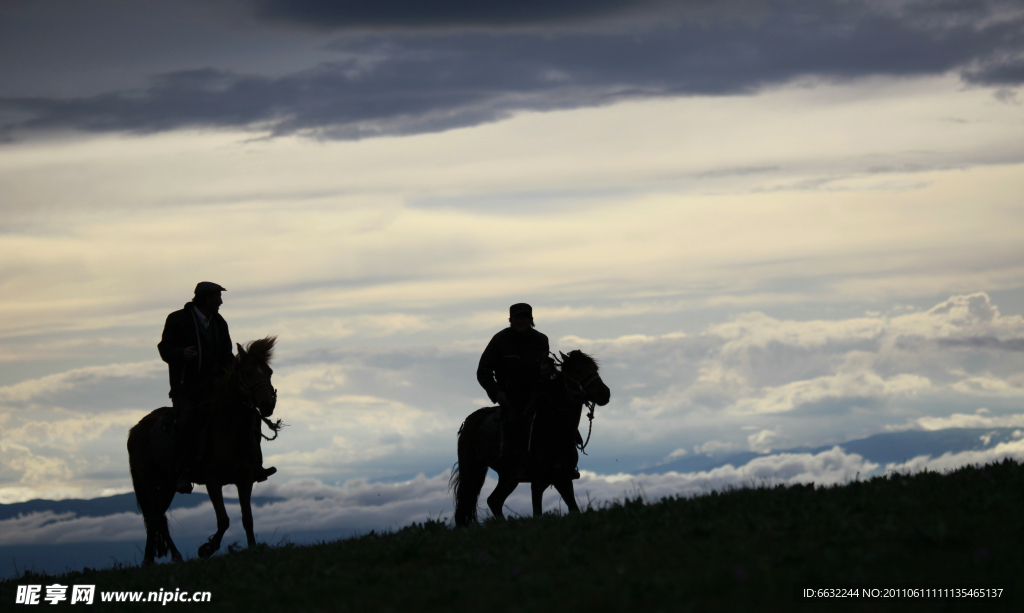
point(247, 392)
point(582, 385)
point(582, 395)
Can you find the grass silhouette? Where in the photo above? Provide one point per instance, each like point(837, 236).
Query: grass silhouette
point(716, 551)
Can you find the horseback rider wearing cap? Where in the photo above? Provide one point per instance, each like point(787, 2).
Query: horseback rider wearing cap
point(197, 348)
point(513, 370)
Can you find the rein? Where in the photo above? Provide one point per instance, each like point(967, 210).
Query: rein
point(246, 392)
point(582, 384)
point(590, 427)
point(274, 426)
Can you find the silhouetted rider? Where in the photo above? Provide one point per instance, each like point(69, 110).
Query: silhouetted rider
point(197, 348)
point(513, 370)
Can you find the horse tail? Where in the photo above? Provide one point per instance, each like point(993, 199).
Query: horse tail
point(469, 472)
point(145, 482)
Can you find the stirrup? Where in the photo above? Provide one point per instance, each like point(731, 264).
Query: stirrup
point(261, 474)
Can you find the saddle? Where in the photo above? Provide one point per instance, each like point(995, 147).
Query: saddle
point(164, 437)
point(177, 438)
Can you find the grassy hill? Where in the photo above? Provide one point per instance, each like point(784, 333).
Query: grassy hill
point(721, 551)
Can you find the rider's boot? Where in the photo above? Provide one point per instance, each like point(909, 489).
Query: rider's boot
point(261, 474)
point(185, 475)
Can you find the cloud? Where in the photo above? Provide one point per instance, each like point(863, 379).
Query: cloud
point(441, 13)
point(38, 470)
point(713, 447)
point(70, 433)
point(678, 453)
point(792, 382)
point(358, 505)
point(56, 528)
point(857, 382)
point(311, 506)
point(87, 388)
point(762, 441)
point(982, 418)
point(984, 342)
point(391, 84)
point(950, 461)
point(379, 411)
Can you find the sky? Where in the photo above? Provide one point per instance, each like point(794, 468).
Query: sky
point(775, 224)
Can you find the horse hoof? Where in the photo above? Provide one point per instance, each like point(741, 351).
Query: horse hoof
point(206, 550)
point(148, 562)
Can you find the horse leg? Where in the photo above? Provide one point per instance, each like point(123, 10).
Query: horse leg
point(506, 485)
point(151, 494)
point(564, 487)
point(166, 495)
point(156, 526)
point(212, 544)
point(149, 556)
point(537, 488)
point(144, 496)
point(244, 501)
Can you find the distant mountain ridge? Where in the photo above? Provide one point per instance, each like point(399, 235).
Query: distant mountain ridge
point(885, 448)
point(110, 505)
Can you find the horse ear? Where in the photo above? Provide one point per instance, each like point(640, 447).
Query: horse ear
point(564, 357)
point(241, 352)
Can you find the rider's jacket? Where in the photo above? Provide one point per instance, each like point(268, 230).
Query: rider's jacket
point(194, 379)
point(511, 363)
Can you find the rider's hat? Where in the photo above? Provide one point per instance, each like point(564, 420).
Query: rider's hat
point(206, 287)
point(520, 308)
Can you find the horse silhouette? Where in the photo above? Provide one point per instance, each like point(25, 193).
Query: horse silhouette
point(553, 442)
point(242, 397)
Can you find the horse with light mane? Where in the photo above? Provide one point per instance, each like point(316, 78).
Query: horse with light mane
point(552, 441)
point(242, 397)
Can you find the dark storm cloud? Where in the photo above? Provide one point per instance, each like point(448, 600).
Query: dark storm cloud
point(437, 13)
point(415, 81)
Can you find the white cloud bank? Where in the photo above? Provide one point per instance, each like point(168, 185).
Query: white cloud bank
point(754, 382)
point(311, 506)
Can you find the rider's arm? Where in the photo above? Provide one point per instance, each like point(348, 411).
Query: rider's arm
point(545, 363)
point(485, 371)
point(171, 346)
point(226, 347)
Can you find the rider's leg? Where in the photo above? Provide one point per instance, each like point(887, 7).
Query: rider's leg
point(516, 433)
point(187, 438)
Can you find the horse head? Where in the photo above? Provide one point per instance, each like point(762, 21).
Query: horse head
point(254, 373)
point(580, 372)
